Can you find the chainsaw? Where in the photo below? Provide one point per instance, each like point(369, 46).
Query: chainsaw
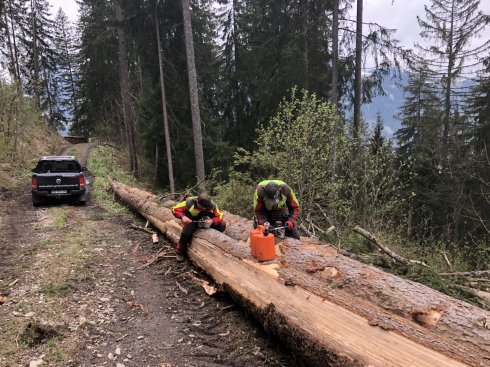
point(201, 223)
point(278, 230)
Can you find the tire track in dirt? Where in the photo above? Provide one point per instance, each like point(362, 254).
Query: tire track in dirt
point(115, 311)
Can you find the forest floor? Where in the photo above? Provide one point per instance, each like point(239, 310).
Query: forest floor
point(75, 291)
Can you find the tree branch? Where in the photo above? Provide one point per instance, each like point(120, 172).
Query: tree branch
point(385, 249)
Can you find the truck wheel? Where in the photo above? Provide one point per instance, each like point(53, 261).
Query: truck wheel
point(36, 201)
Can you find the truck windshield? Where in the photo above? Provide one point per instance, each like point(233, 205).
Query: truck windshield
point(58, 166)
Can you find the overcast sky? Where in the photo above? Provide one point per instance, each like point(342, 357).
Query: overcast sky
point(401, 15)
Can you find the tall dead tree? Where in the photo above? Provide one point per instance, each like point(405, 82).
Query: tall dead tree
point(358, 78)
point(191, 69)
point(334, 98)
point(164, 105)
point(124, 83)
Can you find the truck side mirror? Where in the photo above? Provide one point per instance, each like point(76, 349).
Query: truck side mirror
point(84, 168)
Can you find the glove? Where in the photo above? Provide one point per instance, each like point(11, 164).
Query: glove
point(290, 225)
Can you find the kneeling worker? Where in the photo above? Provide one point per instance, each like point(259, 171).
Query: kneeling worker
point(275, 201)
point(191, 211)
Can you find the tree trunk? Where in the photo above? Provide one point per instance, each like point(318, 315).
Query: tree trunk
point(358, 79)
point(155, 176)
point(447, 89)
point(125, 96)
point(14, 43)
point(164, 105)
point(140, 77)
point(194, 96)
point(333, 310)
point(35, 79)
point(13, 69)
point(304, 33)
point(334, 99)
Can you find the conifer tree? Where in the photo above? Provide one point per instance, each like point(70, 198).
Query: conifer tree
point(193, 91)
point(98, 85)
point(66, 78)
point(13, 23)
point(39, 57)
point(449, 27)
point(419, 144)
point(450, 55)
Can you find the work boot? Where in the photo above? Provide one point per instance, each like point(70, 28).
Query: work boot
point(180, 250)
point(180, 257)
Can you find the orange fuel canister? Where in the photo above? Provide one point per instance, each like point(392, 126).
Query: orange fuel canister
point(253, 234)
point(265, 247)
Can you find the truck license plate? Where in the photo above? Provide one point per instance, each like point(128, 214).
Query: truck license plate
point(59, 192)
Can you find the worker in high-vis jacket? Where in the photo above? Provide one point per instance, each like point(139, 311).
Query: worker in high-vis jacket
point(275, 203)
point(194, 212)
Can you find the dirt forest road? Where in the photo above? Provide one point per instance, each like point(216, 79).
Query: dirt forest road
point(74, 291)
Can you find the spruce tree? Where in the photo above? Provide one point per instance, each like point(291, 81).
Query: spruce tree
point(13, 24)
point(419, 144)
point(66, 78)
point(449, 28)
point(39, 57)
point(98, 86)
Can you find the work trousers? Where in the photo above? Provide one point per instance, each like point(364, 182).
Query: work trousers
point(187, 233)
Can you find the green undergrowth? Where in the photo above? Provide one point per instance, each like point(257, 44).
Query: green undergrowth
point(56, 288)
point(24, 137)
point(105, 162)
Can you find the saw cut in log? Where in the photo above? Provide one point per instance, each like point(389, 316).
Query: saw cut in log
point(331, 309)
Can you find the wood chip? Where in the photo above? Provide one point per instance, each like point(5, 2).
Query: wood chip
point(209, 289)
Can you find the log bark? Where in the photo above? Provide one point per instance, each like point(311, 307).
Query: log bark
point(333, 310)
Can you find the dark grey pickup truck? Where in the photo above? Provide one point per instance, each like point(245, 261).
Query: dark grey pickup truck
point(58, 177)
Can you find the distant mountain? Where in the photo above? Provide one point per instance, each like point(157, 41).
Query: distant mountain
point(388, 105)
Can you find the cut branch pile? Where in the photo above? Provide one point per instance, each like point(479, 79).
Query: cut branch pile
point(333, 310)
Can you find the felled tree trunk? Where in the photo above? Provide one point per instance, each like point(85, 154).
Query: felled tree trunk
point(333, 310)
